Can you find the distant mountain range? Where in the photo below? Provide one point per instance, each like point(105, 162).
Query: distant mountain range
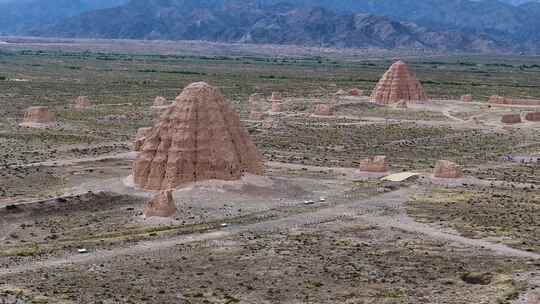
point(446, 25)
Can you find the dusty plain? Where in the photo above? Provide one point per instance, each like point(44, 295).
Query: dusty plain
point(313, 229)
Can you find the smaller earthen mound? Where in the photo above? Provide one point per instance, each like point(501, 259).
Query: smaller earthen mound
point(323, 110)
point(82, 103)
point(533, 116)
point(160, 101)
point(38, 117)
point(162, 205)
point(356, 92)
point(447, 169)
point(142, 133)
point(256, 115)
point(496, 99)
point(467, 98)
point(511, 119)
point(376, 164)
point(278, 107)
point(276, 96)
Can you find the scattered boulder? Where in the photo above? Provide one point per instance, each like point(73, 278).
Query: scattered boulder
point(356, 92)
point(532, 116)
point(511, 119)
point(324, 110)
point(467, 98)
point(199, 138)
point(398, 83)
point(39, 116)
point(447, 169)
point(162, 205)
point(82, 103)
point(374, 164)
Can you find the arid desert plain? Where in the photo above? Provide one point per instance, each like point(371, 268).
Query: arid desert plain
point(197, 173)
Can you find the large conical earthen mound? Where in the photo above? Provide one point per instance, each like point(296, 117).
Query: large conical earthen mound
point(199, 138)
point(398, 84)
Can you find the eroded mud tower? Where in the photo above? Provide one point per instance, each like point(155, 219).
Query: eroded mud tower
point(323, 110)
point(199, 138)
point(38, 116)
point(162, 205)
point(447, 169)
point(398, 83)
point(377, 164)
point(82, 103)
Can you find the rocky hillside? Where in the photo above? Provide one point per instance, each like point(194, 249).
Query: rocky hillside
point(259, 22)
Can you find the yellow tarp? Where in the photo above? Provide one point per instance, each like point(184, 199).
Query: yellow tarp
point(399, 177)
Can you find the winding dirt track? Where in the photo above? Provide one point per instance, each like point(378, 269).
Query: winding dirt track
point(386, 211)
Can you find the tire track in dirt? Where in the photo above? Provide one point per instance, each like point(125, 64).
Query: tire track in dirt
point(386, 211)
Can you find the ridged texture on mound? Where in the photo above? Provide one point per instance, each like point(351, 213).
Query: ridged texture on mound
point(199, 138)
point(38, 115)
point(398, 83)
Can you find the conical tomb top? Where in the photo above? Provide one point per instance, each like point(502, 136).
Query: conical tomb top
point(199, 138)
point(398, 84)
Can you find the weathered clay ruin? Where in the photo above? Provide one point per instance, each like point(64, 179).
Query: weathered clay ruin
point(532, 116)
point(323, 110)
point(38, 116)
point(199, 138)
point(82, 103)
point(495, 99)
point(467, 98)
point(356, 92)
point(374, 164)
point(511, 119)
point(398, 83)
point(162, 205)
point(447, 169)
